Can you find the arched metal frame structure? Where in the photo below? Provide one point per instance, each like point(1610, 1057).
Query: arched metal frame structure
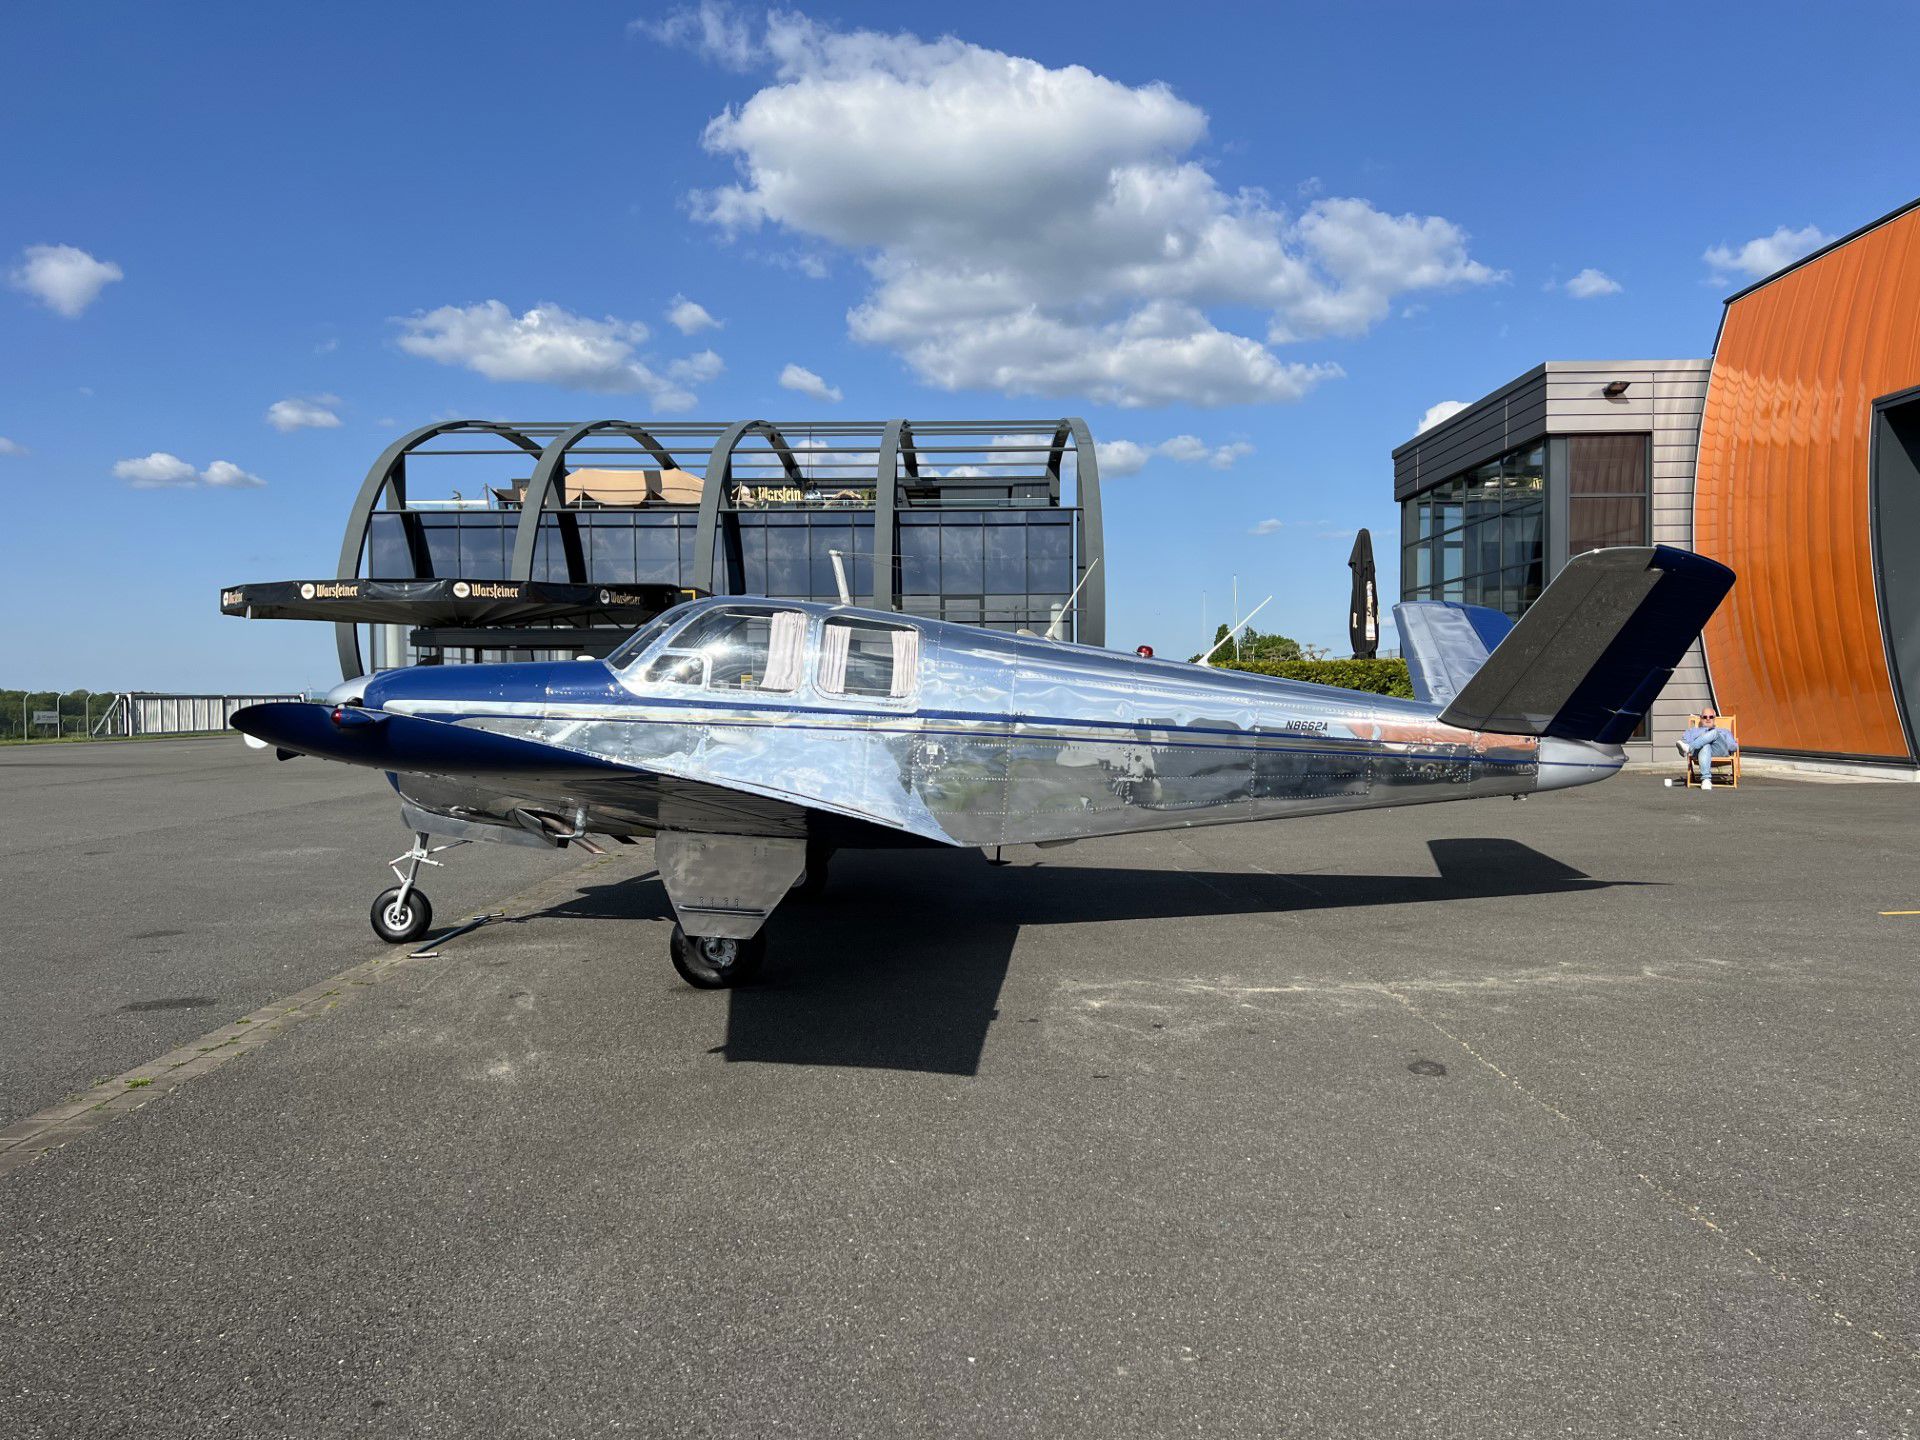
point(548, 486)
point(900, 457)
point(389, 473)
point(897, 447)
point(719, 476)
point(1090, 620)
point(895, 441)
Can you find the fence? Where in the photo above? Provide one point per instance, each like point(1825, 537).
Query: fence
point(142, 712)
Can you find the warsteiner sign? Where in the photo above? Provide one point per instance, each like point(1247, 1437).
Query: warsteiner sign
point(448, 602)
point(747, 496)
point(756, 497)
point(627, 598)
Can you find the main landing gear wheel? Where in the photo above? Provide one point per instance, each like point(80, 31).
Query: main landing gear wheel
point(710, 962)
point(401, 921)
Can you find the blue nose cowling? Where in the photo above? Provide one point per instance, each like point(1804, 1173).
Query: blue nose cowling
point(579, 682)
point(369, 735)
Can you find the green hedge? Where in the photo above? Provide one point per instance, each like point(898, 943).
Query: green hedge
point(1377, 677)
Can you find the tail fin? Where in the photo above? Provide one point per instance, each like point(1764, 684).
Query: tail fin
point(1445, 642)
point(1586, 661)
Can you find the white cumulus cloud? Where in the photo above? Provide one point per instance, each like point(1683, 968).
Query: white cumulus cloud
point(690, 317)
point(1121, 457)
point(1763, 255)
point(697, 369)
point(1183, 447)
point(304, 413)
point(1591, 284)
point(710, 29)
point(11, 447)
point(1038, 230)
point(226, 473)
point(1265, 527)
point(1438, 414)
point(151, 472)
point(547, 345)
point(803, 380)
point(1129, 457)
point(161, 470)
point(64, 278)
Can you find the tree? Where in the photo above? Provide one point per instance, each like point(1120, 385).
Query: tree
point(1252, 645)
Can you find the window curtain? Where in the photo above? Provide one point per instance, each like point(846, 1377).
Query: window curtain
point(906, 661)
point(786, 651)
point(836, 641)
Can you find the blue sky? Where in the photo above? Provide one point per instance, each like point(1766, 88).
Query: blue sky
point(1286, 231)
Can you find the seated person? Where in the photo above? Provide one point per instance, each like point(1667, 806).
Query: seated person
point(1702, 742)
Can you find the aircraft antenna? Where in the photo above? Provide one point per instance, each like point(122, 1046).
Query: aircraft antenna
point(1207, 659)
point(840, 577)
point(1053, 630)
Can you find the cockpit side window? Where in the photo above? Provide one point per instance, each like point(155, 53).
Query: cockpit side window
point(863, 657)
point(736, 650)
point(637, 644)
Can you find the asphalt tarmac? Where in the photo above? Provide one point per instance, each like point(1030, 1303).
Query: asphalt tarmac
point(1588, 1116)
point(156, 888)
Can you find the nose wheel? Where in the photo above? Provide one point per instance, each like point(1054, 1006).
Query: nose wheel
point(714, 962)
point(403, 914)
point(400, 917)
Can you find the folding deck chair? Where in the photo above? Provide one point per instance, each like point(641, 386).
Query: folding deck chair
point(1726, 768)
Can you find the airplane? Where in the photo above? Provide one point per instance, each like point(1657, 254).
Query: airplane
point(750, 739)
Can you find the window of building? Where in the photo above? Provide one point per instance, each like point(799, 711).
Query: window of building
point(1479, 537)
point(860, 657)
point(1006, 569)
point(656, 542)
point(1606, 491)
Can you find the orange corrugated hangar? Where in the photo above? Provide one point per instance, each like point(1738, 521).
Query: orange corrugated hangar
point(1793, 455)
point(1808, 487)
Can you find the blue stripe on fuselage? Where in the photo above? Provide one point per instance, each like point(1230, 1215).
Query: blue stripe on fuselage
point(1253, 741)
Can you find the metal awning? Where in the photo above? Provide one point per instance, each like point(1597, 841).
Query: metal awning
point(435, 603)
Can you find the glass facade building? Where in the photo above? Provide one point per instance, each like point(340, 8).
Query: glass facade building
point(1007, 569)
point(984, 523)
point(1485, 536)
point(1571, 456)
point(1480, 537)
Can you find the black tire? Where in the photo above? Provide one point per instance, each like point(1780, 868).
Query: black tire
point(405, 926)
point(709, 963)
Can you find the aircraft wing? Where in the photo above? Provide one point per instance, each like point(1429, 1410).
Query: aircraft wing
point(455, 762)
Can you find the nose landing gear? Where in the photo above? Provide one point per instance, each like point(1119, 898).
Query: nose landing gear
point(403, 913)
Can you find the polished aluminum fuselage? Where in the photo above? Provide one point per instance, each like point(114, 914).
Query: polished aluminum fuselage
point(1004, 740)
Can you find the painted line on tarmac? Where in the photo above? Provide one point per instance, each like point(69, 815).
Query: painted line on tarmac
point(25, 1141)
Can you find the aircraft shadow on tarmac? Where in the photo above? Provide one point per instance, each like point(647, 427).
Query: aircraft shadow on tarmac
point(900, 965)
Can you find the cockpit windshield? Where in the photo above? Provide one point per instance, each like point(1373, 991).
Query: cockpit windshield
point(636, 644)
